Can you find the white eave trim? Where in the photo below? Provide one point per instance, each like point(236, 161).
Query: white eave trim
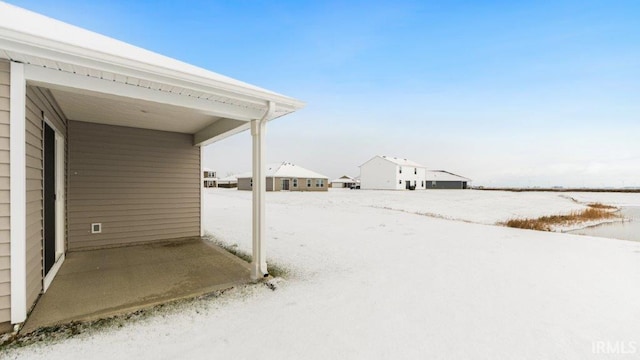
point(18, 193)
point(57, 79)
point(55, 51)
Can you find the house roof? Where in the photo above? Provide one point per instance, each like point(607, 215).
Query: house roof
point(397, 161)
point(86, 71)
point(286, 169)
point(344, 179)
point(228, 179)
point(441, 175)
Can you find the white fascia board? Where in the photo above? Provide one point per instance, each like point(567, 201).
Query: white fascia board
point(73, 55)
point(18, 193)
point(65, 81)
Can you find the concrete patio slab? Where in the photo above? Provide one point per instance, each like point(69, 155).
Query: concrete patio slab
point(101, 283)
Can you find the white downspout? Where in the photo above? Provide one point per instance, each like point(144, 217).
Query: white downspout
point(259, 260)
point(201, 192)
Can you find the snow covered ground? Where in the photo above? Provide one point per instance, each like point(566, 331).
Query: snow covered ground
point(372, 279)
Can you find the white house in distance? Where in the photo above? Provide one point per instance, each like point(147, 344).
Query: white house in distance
point(209, 178)
point(391, 173)
point(345, 181)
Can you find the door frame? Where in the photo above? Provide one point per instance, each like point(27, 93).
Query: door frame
point(60, 250)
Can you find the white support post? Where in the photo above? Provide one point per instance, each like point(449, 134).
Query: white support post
point(201, 193)
point(18, 193)
point(259, 261)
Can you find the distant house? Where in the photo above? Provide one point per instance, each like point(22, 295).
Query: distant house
point(345, 181)
point(209, 178)
point(391, 173)
point(440, 179)
point(228, 182)
point(287, 177)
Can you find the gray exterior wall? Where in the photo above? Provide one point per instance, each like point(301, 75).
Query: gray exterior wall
point(302, 184)
point(142, 185)
point(447, 185)
point(245, 184)
point(5, 235)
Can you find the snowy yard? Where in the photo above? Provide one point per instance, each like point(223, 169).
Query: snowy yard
point(370, 278)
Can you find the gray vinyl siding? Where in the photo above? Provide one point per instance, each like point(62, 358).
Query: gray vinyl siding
point(142, 185)
point(245, 184)
point(446, 184)
point(302, 184)
point(34, 198)
point(39, 102)
point(5, 236)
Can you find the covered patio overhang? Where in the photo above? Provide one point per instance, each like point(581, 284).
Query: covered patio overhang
point(99, 80)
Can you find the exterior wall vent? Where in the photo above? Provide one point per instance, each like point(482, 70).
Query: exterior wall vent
point(96, 228)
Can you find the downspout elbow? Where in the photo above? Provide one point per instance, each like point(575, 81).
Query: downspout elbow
point(258, 125)
point(269, 112)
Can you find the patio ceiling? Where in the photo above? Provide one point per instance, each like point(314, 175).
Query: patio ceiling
point(108, 109)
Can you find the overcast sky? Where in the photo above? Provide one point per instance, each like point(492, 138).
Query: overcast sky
point(516, 93)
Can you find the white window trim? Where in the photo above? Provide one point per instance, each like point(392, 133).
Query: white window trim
point(60, 201)
point(18, 192)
